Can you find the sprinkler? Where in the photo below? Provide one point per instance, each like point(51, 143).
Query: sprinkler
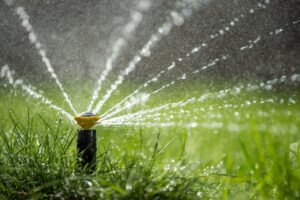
point(86, 141)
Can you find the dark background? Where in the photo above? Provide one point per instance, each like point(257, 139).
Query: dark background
point(78, 35)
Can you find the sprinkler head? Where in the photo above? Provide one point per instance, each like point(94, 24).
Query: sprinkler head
point(86, 120)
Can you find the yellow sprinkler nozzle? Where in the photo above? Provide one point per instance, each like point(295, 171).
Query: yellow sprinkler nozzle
point(87, 120)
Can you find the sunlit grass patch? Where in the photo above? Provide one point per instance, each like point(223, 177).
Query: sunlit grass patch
point(244, 151)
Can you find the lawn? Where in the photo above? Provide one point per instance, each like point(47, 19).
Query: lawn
point(244, 146)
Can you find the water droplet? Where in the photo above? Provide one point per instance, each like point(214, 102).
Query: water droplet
point(195, 50)
point(128, 187)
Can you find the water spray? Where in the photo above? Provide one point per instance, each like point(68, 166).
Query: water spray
point(86, 141)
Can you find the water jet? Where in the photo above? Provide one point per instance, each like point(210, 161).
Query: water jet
point(86, 141)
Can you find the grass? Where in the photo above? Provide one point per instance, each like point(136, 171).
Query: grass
point(249, 151)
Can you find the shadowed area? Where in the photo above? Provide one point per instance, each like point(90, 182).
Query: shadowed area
point(78, 35)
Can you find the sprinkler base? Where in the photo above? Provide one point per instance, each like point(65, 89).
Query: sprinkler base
point(86, 150)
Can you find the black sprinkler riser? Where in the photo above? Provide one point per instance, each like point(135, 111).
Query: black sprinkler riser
point(87, 149)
